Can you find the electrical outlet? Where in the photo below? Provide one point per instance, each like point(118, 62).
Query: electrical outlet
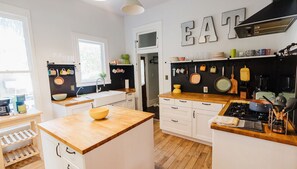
point(72, 87)
point(205, 89)
point(166, 77)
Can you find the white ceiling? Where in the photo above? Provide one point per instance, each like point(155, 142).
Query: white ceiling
point(116, 5)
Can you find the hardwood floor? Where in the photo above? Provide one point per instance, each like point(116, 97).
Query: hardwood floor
point(173, 152)
point(170, 152)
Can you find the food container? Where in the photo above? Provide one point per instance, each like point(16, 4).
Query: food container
point(181, 58)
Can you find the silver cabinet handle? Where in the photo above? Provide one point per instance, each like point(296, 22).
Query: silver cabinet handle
point(174, 107)
point(130, 100)
point(166, 99)
point(183, 101)
point(175, 121)
point(67, 150)
point(194, 114)
point(206, 104)
point(68, 166)
point(57, 147)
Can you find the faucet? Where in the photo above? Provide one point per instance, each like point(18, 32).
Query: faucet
point(98, 90)
point(78, 91)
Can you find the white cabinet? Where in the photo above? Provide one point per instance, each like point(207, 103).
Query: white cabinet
point(62, 111)
point(188, 118)
point(128, 103)
point(58, 155)
point(176, 116)
point(202, 113)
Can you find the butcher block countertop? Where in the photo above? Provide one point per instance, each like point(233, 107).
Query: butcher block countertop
point(71, 102)
point(129, 90)
point(83, 134)
point(290, 139)
point(214, 98)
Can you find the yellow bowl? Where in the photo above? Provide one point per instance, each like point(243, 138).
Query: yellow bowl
point(99, 113)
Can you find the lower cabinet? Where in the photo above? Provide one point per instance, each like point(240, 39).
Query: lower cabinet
point(62, 111)
point(128, 103)
point(201, 128)
point(188, 118)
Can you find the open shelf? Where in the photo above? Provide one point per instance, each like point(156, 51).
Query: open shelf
point(17, 137)
point(186, 61)
point(253, 57)
point(19, 154)
point(210, 60)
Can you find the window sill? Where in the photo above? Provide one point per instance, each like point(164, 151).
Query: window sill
point(92, 84)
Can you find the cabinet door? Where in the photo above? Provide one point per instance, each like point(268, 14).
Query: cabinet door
point(79, 108)
point(52, 152)
point(131, 103)
point(201, 129)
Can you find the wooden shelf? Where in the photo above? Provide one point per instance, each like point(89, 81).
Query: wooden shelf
point(17, 137)
point(253, 57)
point(186, 61)
point(121, 65)
point(211, 60)
point(20, 154)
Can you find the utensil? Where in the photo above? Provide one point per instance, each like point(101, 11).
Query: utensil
point(234, 83)
point(260, 106)
point(173, 72)
point(213, 69)
point(58, 80)
point(245, 74)
point(222, 84)
point(195, 77)
point(203, 68)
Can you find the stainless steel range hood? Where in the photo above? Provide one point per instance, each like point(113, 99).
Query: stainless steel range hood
point(275, 18)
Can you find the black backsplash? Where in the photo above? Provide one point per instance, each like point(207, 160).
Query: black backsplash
point(275, 68)
point(117, 80)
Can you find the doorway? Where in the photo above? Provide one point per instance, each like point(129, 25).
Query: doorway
point(149, 69)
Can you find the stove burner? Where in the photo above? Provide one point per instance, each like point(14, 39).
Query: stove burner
point(242, 111)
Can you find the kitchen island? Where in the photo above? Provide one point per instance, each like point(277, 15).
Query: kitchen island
point(235, 148)
point(123, 140)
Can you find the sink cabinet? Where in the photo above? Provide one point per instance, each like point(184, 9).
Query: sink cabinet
point(188, 118)
point(62, 111)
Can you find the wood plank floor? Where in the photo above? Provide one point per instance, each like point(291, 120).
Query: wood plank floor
point(170, 152)
point(173, 152)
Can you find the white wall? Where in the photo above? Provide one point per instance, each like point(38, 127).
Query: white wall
point(53, 21)
point(175, 12)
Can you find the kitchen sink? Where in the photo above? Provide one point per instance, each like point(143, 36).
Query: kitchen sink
point(106, 97)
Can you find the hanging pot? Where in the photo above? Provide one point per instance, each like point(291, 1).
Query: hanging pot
point(58, 80)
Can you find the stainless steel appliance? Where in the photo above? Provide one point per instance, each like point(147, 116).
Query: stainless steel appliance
point(4, 107)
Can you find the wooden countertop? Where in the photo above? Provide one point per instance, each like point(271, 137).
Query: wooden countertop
point(214, 98)
point(32, 112)
point(71, 102)
point(290, 139)
point(129, 90)
point(83, 134)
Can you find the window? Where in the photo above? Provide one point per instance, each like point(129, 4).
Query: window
point(92, 55)
point(15, 54)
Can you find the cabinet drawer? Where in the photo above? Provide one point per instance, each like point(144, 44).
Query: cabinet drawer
point(183, 103)
point(170, 110)
point(130, 95)
point(176, 125)
point(69, 165)
point(166, 101)
point(72, 156)
point(208, 106)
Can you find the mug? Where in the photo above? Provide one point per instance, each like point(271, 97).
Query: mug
point(233, 53)
point(63, 71)
point(213, 69)
point(203, 68)
point(182, 70)
point(52, 71)
point(177, 70)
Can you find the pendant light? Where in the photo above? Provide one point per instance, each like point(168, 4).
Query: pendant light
point(132, 7)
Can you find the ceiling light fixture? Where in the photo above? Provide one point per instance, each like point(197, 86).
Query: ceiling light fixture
point(132, 7)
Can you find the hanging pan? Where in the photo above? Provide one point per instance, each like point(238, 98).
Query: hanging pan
point(58, 80)
point(222, 84)
point(195, 77)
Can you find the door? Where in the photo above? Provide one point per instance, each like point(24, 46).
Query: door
point(143, 83)
point(51, 151)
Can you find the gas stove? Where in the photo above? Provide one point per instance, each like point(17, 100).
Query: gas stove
point(242, 111)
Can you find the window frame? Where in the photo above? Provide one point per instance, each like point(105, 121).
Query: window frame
point(23, 15)
point(96, 40)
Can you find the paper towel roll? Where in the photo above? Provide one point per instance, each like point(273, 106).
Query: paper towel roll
point(127, 83)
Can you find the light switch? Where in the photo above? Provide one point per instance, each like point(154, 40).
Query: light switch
point(72, 87)
point(166, 77)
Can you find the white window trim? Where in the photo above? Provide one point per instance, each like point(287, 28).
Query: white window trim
point(76, 37)
point(23, 15)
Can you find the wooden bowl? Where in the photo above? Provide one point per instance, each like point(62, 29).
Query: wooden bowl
point(99, 113)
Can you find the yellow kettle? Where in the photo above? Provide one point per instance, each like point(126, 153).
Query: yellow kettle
point(245, 74)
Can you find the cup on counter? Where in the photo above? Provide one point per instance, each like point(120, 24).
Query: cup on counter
point(52, 72)
point(63, 71)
